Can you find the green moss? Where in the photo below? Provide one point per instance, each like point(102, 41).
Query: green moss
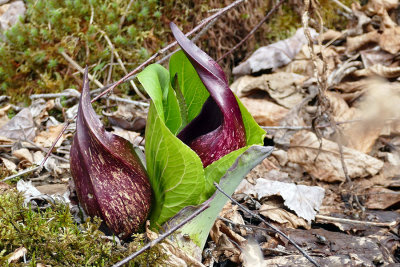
point(52, 237)
point(30, 58)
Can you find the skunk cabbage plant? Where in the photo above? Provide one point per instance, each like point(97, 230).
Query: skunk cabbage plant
point(196, 129)
point(110, 180)
point(218, 129)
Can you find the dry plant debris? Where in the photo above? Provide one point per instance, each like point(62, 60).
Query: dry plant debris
point(302, 188)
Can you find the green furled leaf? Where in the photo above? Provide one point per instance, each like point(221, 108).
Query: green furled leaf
point(189, 82)
point(175, 171)
point(155, 80)
point(199, 228)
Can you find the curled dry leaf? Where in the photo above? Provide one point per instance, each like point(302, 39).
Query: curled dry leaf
point(46, 138)
point(302, 199)
point(357, 42)
point(263, 111)
point(376, 56)
point(376, 6)
point(390, 40)
point(283, 87)
point(173, 255)
point(327, 166)
point(274, 211)
point(380, 70)
point(110, 180)
point(3, 115)
point(274, 55)
point(20, 127)
point(23, 154)
point(381, 198)
point(9, 164)
point(17, 255)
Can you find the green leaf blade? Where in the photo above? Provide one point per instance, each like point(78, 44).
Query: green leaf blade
point(189, 82)
point(176, 172)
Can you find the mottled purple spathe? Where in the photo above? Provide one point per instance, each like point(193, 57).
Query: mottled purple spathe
point(218, 129)
point(110, 180)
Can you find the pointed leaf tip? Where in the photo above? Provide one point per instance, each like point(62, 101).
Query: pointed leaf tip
point(218, 129)
point(110, 180)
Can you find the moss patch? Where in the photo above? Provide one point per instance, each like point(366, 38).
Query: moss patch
point(52, 237)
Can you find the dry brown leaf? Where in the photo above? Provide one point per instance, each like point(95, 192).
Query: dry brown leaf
point(373, 56)
point(340, 109)
point(381, 198)
point(23, 154)
point(331, 35)
point(128, 117)
point(9, 164)
point(352, 86)
point(274, 55)
point(4, 187)
point(283, 87)
point(390, 40)
point(380, 70)
point(252, 254)
point(4, 115)
point(377, 6)
point(275, 212)
point(362, 20)
point(38, 157)
point(263, 111)
point(360, 41)
point(46, 138)
point(51, 189)
point(378, 104)
point(303, 200)
point(330, 56)
point(132, 137)
point(21, 126)
point(17, 255)
point(39, 109)
point(174, 255)
point(327, 166)
point(219, 228)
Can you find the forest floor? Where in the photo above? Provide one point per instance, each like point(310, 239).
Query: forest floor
point(329, 105)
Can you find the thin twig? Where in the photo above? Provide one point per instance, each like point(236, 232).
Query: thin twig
point(128, 101)
point(342, 220)
point(110, 44)
point(269, 225)
point(163, 236)
point(245, 225)
point(122, 20)
point(298, 128)
point(272, 11)
point(346, 8)
point(29, 170)
point(80, 69)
